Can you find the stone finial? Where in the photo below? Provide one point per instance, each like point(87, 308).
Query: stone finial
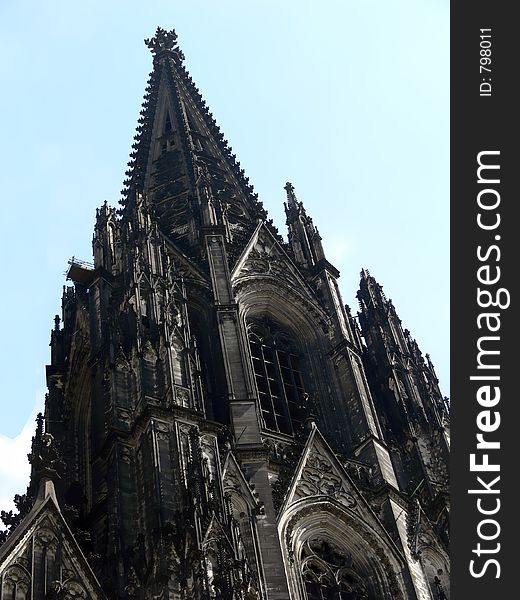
point(164, 42)
point(291, 196)
point(44, 456)
point(40, 419)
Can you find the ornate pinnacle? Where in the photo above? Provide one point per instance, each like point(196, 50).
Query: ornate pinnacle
point(44, 456)
point(289, 188)
point(293, 208)
point(291, 197)
point(39, 425)
point(164, 42)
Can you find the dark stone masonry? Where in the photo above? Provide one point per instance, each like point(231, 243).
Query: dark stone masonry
point(218, 424)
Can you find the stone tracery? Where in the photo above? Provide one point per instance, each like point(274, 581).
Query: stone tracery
point(329, 573)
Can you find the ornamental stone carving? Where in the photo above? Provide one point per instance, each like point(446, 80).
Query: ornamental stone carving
point(319, 479)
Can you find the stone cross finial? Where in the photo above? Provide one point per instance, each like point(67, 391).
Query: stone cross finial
point(291, 196)
point(164, 42)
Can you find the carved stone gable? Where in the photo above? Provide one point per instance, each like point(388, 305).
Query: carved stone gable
point(321, 475)
point(264, 256)
point(41, 559)
point(234, 482)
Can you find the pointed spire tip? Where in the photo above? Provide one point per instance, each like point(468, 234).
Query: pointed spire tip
point(164, 42)
point(291, 196)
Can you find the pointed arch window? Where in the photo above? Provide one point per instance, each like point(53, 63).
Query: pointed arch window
point(167, 123)
point(329, 574)
point(166, 139)
point(278, 366)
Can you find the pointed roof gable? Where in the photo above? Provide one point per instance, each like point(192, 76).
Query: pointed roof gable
point(320, 474)
point(263, 244)
point(45, 527)
point(234, 481)
point(264, 255)
point(323, 502)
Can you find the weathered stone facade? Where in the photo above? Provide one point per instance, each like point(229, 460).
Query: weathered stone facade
point(218, 424)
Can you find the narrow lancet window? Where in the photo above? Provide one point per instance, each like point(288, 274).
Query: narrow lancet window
point(167, 124)
point(277, 365)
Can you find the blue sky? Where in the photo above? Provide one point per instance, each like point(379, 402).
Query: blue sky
point(348, 100)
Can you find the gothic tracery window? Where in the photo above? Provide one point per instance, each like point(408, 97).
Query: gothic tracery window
point(277, 365)
point(330, 574)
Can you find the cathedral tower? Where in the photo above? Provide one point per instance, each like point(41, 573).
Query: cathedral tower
point(218, 424)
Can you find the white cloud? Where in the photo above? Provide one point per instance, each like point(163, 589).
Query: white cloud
point(14, 466)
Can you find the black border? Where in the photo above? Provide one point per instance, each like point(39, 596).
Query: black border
point(483, 123)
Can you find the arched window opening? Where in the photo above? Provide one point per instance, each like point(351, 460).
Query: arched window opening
point(436, 573)
point(328, 573)
point(319, 581)
point(243, 535)
point(167, 123)
point(278, 366)
point(180, 370)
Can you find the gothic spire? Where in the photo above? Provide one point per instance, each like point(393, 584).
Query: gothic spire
point(393, 350)
point(377, 313)
point(304, 237)
point(181, 160)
